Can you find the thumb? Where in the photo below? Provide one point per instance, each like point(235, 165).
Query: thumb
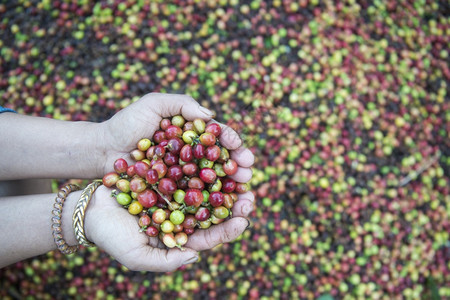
point(167, 105)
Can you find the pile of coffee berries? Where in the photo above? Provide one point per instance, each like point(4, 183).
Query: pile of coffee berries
point(180, 180)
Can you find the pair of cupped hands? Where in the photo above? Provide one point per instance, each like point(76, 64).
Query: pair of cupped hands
point(114, 230)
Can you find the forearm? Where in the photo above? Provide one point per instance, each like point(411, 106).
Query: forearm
point(34, 147)
point(25, 223)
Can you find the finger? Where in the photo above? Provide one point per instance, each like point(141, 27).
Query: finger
point(167, 105)
point(242, 175)
point(243, 156)
point(158, 260)
point(244, 206)
point(228, 231)
point(228, 137)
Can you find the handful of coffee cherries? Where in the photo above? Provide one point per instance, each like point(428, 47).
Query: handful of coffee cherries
point(180, 180)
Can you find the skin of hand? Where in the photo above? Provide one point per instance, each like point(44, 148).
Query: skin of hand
point(107, 224)
point(116, 231)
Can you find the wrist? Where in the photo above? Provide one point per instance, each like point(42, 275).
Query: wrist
point(66, 218)
point(95, 206)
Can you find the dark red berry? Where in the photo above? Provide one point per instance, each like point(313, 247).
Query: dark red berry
point(120, 166)
point(212, 153)
point(230, 167)
point(198, 151)
point(147, 198)
point(213, 128)
point(186, 153)
point(196, 183)
point(202, 214)
point(216, 199)
point(193, 197)
point(173, 131)
point(228, 185)
point(208, 175)
point(167, 186)
point(175, 172)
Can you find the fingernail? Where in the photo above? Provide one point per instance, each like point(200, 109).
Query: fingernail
point(191, 260)
point(249, 224)
point(206, 111)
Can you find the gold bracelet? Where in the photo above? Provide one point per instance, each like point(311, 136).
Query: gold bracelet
point(56, 219)
point(80, 210)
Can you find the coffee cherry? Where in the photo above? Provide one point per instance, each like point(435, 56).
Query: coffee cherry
point(120, 166)
point(216, 199)
point(144, 221)
point(212, 153)
point(177, 217)
point(183, 183)
point(123, 185)
point(137, 155)
point(131, 171)
point(152, 176)
point(216, 186)
point(224, 155)
point(188, 126)
point(189, 231)
point(167, 186)
point(189, 222)
point(202, 214)
point(144, 144)
point(167, 226)
point(186, 153)
point(181, 238)
point(152, 231)
point(174, 145)
point(213, 128)
point(221, 212)
point(199, 126)
point(230, 167)
point(178, 228)
point(159, 216)
point(228, 185)
point(204, 163)
point(159, 136)
point(207, 139)
point(207, 175)
point(123, 198)
point(196, 183)
point(160, 152)
point(137, 185)
point(189, 136)
point(135, 207)
point(168, 239)
point(175, 172)
point(228, 201)
point(193, 197)
point(147, 198)
point(205, 224)
point(218, 168)
point(161, 168)
point(242, 188)
point(198, 151)
point(141, 168)
point(178, 196)
point(190, 169)
point(178, 121)
point(173, 131)
point(165, 123)
point(110, 179)
point(170, 159)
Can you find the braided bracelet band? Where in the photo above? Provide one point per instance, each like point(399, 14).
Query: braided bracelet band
point(80, 210)
point(56, 219)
